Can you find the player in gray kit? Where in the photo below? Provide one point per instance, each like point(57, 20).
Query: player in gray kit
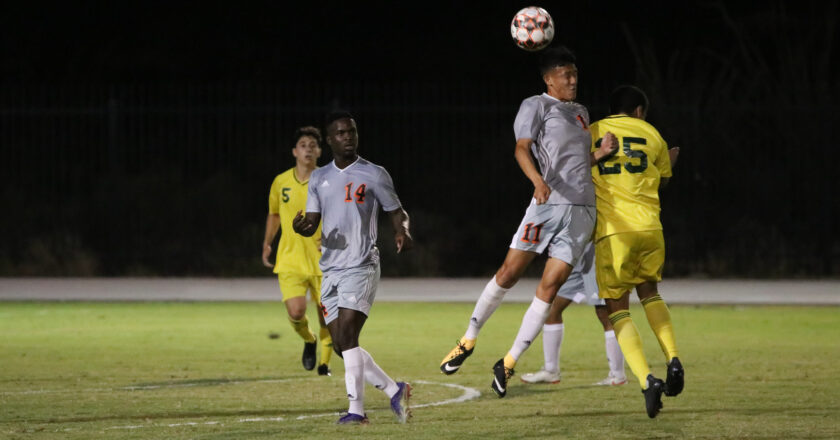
point(561, 216)
point(347, 195)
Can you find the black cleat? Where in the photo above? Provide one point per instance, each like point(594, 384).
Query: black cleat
point(653, 395)
point(501, 374)
point(675, 381)
point(324, 370)
point(452, 362)
point(308, 358)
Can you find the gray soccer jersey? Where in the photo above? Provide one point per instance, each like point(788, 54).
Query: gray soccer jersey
point(561, 141)
point(349, 202)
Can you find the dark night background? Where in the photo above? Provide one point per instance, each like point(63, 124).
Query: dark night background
point(142, 139)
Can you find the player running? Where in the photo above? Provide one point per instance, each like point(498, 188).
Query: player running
point(347, 195)
point(579, 287)
point(296, 264)
point(560, 217)
point(629, 245)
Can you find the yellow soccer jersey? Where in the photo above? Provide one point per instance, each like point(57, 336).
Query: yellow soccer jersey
point(627, 184)
point(295, 253)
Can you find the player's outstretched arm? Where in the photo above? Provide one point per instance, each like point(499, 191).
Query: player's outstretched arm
point(272, 225)
point(609, 145)
point(526, 163)
point(306, 225)
point(402, 236)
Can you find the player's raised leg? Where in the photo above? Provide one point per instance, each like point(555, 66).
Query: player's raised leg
point(552, 337)
point(506, 277)
point(659, 318)
point(554, 275)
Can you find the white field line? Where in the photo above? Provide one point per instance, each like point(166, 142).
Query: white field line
point(467, 395)
point(144, 387)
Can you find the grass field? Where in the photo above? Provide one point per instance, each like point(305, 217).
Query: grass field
point(209, 371)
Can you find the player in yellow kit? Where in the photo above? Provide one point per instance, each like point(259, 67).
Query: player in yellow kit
point(297, 256)
point(629, 245)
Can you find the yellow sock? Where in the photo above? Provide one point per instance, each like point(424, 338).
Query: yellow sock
point(326, 346)
point(302, 328)
point(659, 319)
point(510, 362)
point(468, 343)
point(631, 345)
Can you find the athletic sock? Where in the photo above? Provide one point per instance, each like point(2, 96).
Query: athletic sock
point(532, 323)
point(301, 327)
point(377, 377)
point(354, 379)
point(326, 346)
point(487, 303)
point(552, 341)
point(614, 357)
point(659, 318)
point(631, 345)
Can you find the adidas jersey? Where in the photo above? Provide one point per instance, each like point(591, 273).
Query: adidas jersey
point(627, 184)
point(560, 134)
point(295, 253)
point(349, 201)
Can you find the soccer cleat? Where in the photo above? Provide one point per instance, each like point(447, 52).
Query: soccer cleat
point(308, 358)
point(399, 402)
point(612, 381)
point(501, 374)
point(675, 380)
point(653, 395)
point(452, 362)
point(352, 419)
point(541, 376)
point(324, 370)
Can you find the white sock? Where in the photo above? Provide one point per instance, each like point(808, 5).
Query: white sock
point(487, 303)
point(354, 379)
point(377, 377)
point(532, 323)
point(552, 340)
point(614, 356)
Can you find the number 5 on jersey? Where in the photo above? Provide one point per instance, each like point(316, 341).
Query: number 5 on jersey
point(360, 193)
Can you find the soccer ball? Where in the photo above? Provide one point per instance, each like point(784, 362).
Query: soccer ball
point(532, 28)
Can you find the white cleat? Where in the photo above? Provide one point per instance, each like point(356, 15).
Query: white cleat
point(541, 376)
point(612, 381)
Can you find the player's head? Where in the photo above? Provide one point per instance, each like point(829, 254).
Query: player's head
point(557, 67)
point(342, 135)
point(307, 147)
point(629, 100)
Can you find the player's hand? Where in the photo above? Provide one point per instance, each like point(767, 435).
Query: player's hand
point(403, 241)
point(265, 254)
point(302, 226)
point(609, 145)
point(674, 153)
point(541, 192)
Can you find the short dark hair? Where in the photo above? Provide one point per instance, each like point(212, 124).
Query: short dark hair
point(336, 115)
point(626, 98)
point(555, 56)
point(308, 130)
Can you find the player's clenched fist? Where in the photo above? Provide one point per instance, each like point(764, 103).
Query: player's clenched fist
point(302, 225)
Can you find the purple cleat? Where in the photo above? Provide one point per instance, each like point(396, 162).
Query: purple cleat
point(399, 402)
point(352, 419)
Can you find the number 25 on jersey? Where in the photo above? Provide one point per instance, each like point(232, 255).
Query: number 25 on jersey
point(630, 166)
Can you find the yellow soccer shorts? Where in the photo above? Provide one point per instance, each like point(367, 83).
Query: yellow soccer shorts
point(293, 285)
point(627, 259)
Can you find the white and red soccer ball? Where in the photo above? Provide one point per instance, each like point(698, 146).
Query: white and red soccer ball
point(532, 28)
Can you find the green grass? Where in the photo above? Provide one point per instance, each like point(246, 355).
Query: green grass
point(89, 370)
